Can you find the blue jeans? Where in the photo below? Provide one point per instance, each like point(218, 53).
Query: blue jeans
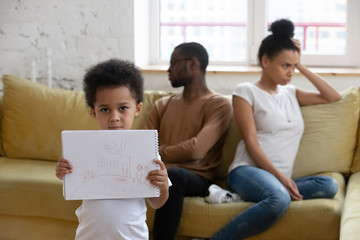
point(184, 183)
point(271, 199)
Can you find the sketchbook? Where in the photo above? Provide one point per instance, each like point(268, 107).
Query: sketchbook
point(109, 164)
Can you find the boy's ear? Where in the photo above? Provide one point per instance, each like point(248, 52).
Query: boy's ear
point(139, 108)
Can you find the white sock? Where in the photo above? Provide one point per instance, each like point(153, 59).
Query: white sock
point(219, 195)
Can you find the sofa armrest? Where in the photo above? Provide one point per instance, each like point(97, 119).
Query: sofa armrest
point(1, 112)
point(350, 218)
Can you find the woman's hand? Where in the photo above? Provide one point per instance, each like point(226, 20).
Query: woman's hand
point(291, 187)
point(63, 167)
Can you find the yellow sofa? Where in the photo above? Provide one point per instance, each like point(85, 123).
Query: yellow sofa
point(32, 205)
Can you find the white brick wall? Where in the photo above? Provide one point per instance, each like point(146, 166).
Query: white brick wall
point(79, 33)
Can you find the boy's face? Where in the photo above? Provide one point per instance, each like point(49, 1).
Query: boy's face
point(115, 108)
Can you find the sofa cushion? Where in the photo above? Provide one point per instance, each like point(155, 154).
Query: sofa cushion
point(34, 116)
point(38, 228)
point(356, 164)
point(301, 221)
point(29, 188)
point(329, 137)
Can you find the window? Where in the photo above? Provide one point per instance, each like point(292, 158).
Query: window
point(232, 30)
point(210, 22)
point(319, 25)
point(315, 31)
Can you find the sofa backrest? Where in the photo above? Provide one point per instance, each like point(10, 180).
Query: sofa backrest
point(34, 116)
point(328, 142)
point(149, 98)
point(330, 136)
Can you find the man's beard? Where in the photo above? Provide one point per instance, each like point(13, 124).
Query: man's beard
point(177, 84)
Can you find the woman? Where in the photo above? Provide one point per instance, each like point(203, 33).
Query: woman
point(269, 118)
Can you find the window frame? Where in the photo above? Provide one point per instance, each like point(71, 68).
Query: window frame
point(257, 30)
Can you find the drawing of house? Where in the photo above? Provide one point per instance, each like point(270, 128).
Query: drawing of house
point(113, 159)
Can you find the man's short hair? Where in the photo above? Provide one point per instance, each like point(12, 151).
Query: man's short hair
point(194, 49)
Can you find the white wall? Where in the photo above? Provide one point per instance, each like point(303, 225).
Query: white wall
point(79, 33)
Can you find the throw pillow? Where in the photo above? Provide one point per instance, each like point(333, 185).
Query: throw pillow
point(356, 164)
point(34, 116)
point(329, 137)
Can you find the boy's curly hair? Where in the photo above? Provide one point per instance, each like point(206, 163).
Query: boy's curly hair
point(113, 73)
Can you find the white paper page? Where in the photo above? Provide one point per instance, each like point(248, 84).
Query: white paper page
point(109, 163)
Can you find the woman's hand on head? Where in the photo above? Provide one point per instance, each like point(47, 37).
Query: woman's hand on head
point(63, 167)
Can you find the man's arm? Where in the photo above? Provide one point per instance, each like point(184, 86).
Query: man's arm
point(216, 122)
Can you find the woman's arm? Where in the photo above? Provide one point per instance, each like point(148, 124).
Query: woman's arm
point(326, 94)
point(244, 119)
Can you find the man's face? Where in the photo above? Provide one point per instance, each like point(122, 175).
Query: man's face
point(179, 74)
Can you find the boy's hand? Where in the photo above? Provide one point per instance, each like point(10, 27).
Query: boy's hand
point(63, 167)
point(159, 177)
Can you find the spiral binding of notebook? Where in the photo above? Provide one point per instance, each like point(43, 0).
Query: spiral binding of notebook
point(157, 156)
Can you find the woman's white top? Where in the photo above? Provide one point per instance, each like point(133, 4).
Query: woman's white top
point(110, 219)
point(279, 126)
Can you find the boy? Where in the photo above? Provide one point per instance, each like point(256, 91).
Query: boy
point(114, 92)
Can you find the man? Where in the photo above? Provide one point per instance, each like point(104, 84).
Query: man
point(192, 128)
